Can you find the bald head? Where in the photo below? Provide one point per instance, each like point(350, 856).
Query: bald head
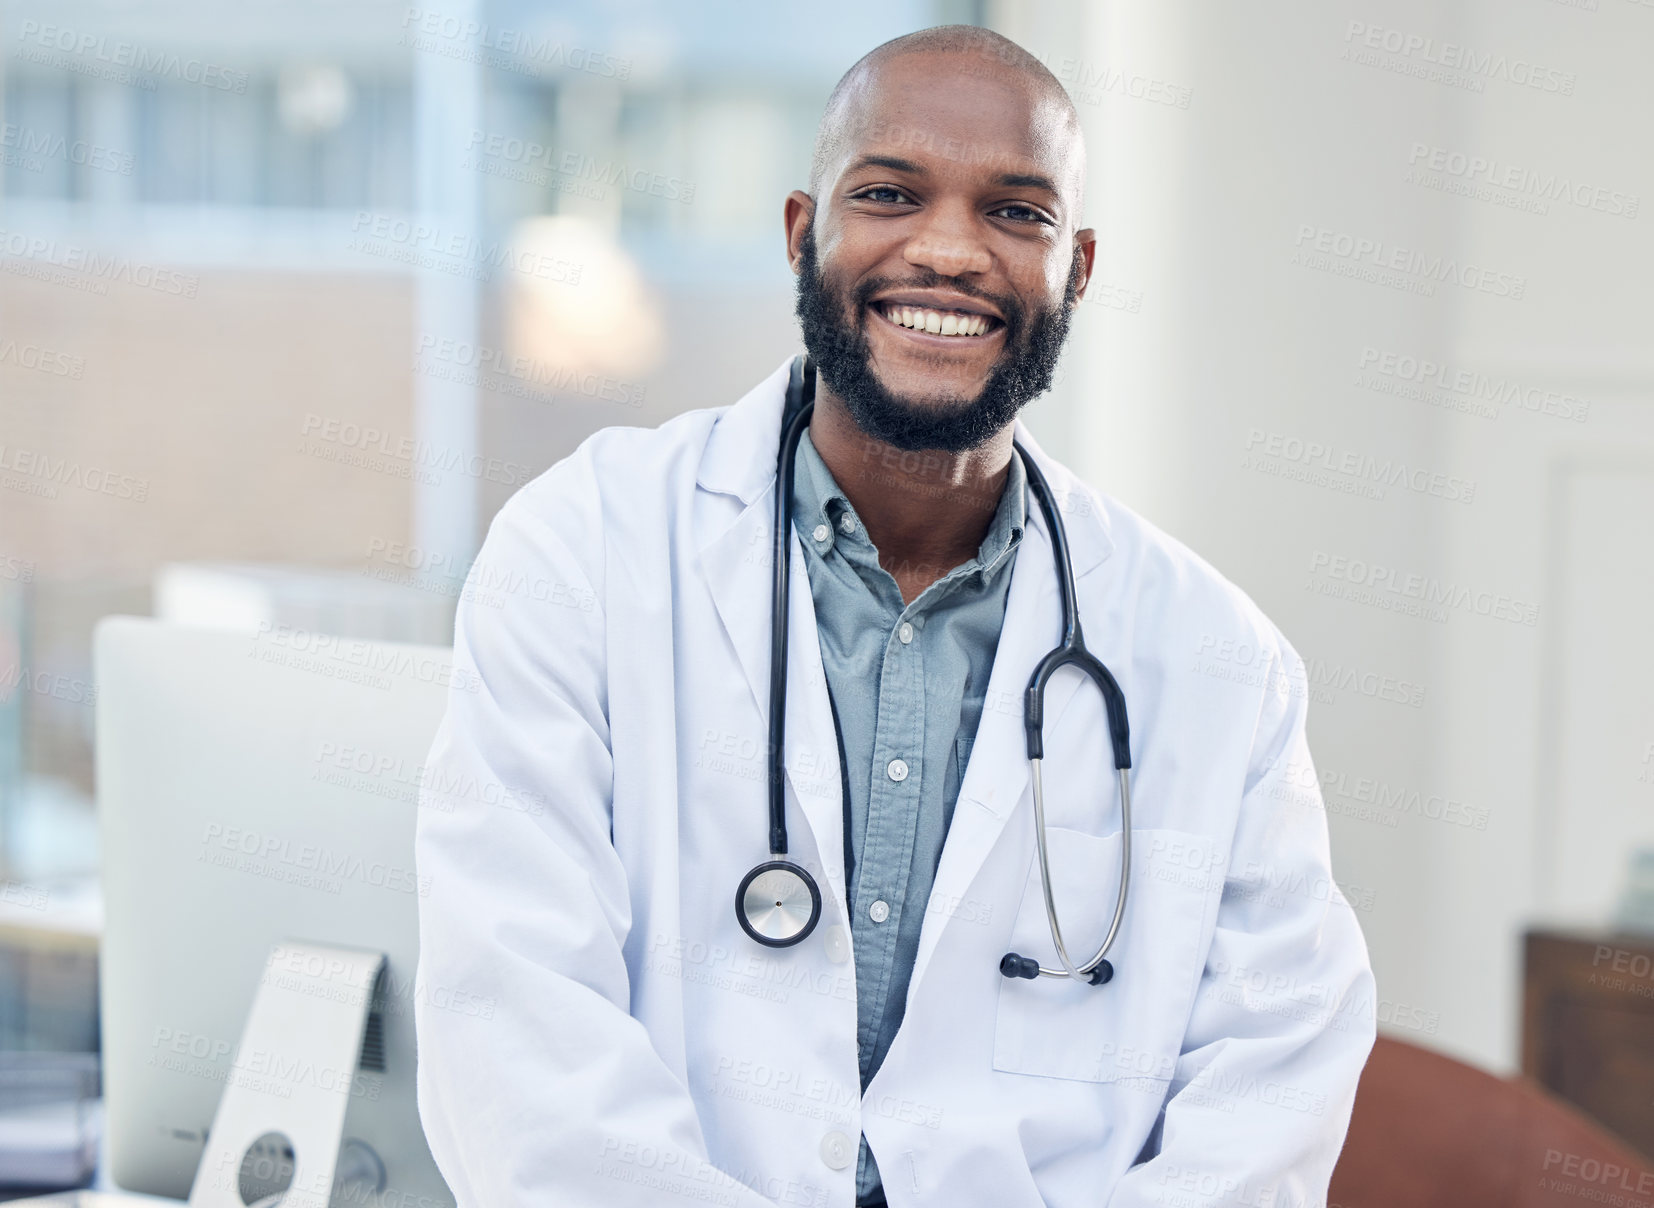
point(954, 51)
point(939, 251)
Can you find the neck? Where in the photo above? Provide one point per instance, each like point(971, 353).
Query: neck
point(926, 512)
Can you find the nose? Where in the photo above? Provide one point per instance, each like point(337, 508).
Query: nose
point(949, 244)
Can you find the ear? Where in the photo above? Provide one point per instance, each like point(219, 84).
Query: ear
point(797, 213)
point(1085, 247)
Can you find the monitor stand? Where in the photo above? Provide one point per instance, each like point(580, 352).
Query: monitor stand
point(284, 1100)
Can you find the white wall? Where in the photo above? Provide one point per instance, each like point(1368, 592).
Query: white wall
point(1200, 212)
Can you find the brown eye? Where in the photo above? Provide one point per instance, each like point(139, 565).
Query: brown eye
point(1022, 213)
point(883, 194)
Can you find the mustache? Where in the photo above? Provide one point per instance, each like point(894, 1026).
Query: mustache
point(1008, 306)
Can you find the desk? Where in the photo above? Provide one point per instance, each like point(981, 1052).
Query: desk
point(1588, 1025)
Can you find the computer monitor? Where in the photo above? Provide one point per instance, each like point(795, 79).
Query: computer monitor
point(254, 790)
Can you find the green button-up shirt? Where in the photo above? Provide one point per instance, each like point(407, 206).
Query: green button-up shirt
point(907, 683)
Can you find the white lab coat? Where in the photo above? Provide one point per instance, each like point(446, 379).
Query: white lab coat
point(595, 1029)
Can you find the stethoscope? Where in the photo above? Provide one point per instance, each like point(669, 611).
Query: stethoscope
point(778, 903)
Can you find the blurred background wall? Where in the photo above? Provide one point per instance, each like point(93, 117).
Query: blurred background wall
point(294, 295)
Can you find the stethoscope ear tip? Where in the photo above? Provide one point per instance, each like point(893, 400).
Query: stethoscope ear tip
point(1013, 965)
point(1102, 974)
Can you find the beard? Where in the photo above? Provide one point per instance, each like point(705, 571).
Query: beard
point(834, 324)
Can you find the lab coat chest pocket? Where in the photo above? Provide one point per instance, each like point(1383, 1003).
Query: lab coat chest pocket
point(1132, 1027)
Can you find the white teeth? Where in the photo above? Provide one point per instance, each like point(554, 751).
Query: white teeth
point(935, 322)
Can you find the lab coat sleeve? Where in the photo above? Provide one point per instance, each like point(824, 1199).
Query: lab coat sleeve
point(1284, 1014)
point(535, 1084)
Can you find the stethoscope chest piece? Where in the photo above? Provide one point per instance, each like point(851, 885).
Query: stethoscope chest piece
point(778, 903)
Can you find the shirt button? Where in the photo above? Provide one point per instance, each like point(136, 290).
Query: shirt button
point(847, 522)
point(879, 911)
point(897, 770)
point(905, 633)
point(838, 945)
point(836, 1151)
point(822, 532)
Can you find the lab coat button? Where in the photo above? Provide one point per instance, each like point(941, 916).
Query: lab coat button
point(879, 911)
point(837, 944)
point(897, 770)
point(836, 1150)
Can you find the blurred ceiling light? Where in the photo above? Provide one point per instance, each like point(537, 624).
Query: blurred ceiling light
point(314, 98)
point(590, 310)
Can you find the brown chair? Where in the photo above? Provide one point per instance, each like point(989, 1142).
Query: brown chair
point(1431, 1132)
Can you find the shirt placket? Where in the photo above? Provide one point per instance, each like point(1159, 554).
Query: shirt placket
point(893, 801)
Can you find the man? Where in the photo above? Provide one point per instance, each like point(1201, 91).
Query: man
point(591, 810)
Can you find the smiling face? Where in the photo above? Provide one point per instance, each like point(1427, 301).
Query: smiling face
point(940, 260)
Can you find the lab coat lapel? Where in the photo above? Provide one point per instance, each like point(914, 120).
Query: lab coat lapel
point(998, 773)
point(735, 562)
point(997, 780)
point(735, 566)
point(811, 745)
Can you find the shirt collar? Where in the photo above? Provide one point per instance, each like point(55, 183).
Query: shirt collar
point(818, 500)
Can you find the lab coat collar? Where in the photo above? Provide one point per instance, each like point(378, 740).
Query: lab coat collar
point(741, 454)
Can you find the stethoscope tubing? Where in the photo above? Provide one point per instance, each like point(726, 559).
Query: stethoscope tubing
point(1071, 651)
point(778, 625)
